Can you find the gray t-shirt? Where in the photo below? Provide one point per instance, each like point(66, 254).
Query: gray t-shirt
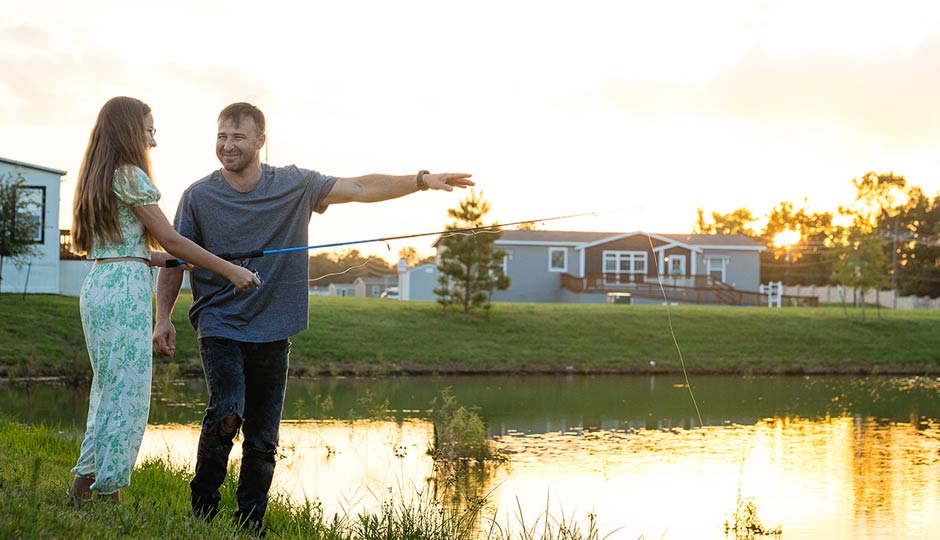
point(274, 215)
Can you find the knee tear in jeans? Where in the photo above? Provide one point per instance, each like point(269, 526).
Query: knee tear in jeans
point(229, 425)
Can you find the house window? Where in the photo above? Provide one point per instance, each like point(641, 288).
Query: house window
point(376, 290)
point(33, 201)
point(716, 267)
point(557, 259)
point(675, 265)
point(625, 262)
point(506, 259)
point(629, 263)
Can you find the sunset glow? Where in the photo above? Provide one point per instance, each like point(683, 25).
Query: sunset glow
point(639, 111)
point(787, 238)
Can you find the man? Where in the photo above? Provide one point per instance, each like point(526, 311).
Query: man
point(244, 338)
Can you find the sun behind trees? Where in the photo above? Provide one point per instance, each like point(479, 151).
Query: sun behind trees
point(888, 236)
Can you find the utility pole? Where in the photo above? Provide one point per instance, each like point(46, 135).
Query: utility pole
point(894, 265)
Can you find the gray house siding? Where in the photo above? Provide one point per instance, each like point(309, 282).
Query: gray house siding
point(418, 283)
point(742, 269)
point(372, 287)
point(530, 278)
point(677, 258)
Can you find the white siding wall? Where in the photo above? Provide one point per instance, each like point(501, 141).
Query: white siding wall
point(41, 274)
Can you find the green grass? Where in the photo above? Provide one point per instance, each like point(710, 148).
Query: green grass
point(34, 478)
point(42, 336)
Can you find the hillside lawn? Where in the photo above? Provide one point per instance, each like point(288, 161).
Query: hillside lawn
point(41, 335)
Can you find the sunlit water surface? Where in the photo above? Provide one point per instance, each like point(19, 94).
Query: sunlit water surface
point(826, 457)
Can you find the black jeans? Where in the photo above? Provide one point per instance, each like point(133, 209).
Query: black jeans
point(246, 389)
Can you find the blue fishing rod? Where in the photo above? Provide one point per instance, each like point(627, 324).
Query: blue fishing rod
point(469, 230)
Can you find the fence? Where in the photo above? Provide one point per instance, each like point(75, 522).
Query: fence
point(837, 294)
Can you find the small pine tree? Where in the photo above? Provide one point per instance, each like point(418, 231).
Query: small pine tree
point(470, 265)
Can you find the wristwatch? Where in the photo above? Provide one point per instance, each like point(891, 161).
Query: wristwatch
point(421, 185)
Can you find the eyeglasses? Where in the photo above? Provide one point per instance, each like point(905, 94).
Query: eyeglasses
point(152, 131)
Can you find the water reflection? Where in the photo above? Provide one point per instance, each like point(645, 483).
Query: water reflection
point(828, 457)
point(835, 478)
point(349, 466)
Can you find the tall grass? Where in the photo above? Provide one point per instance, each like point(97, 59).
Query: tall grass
point(459, 432)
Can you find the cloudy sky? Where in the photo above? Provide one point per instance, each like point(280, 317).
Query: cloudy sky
point(642, 111)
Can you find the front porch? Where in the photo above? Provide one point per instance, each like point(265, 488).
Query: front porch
point(684, 290)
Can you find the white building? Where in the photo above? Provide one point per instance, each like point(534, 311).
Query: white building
point(42, 273)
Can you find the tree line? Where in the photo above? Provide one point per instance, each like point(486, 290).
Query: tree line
point(887, 237)
point(345, 266)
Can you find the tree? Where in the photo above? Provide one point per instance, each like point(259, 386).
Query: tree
point(345, 267)
point(18, 225)
point(877, 198)
point(413, 258)
point(915, 246)
point(860, 263)
point(410, 255)
point(470, 265)
point(879, 201)
point(737, 222)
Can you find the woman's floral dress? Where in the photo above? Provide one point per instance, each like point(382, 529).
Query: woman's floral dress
point(116, 308)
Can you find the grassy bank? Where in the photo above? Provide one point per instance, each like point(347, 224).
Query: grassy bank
point(42, 335)
point(34, 478)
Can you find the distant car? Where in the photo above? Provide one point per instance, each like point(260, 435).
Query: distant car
point(391, 292)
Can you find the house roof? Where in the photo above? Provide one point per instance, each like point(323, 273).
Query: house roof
point(32, 166)
point(372, 280)
point(342, 285)
point(419, 267)
point(582, 238)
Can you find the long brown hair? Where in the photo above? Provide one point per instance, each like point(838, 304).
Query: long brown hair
point(118, 140)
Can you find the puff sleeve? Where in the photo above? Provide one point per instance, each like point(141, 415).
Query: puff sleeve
point(133, 187)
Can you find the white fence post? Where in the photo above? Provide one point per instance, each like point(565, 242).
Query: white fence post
point(774, 292)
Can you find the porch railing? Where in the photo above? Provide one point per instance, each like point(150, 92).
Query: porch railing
point(65, 247)
point(694, 289)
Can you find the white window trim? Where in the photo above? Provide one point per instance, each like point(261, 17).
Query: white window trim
point(564, 251)
point(633, 256)
point(506, 259)
point(723, 259)
point(681, 257)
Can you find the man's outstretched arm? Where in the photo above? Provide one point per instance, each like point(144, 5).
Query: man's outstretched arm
point(381, 187)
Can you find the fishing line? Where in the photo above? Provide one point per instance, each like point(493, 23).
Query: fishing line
point(370, 259)
point(672, 330)
point(245, 262)
point(172, 263)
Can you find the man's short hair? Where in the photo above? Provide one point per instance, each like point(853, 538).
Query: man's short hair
point(241, 110)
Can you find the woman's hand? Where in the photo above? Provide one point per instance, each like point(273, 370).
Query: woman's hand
point(242, 278)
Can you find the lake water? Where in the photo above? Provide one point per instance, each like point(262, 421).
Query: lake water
point(820, 457)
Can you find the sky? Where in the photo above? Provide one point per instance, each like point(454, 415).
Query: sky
point(641, 112)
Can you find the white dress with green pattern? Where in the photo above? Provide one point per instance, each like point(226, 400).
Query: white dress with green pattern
point(116, 308)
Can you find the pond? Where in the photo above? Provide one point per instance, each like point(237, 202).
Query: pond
point(820, 457)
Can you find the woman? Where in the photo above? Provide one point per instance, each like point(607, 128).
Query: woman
point(116, 223)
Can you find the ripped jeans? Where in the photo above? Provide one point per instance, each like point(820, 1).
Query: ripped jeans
point(246, 389)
